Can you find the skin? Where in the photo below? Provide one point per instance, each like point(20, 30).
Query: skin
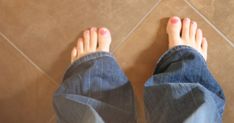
point(93, 40)
point(185, 32)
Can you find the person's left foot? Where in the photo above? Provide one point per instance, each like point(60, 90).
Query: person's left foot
point(93, 40)
point(191, 35)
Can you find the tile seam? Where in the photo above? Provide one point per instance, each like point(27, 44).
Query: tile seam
point(136, 26)
point(210, 23)
point(27, 58)
point(50, 119)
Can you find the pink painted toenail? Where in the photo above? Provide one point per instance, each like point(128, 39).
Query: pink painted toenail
point(174, 20)
point(103, 31)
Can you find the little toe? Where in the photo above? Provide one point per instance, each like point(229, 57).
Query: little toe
point(93, 40)
point(186, 29)
point(204, 48)
point(193, 29)
point(104, 39)
point(86, 36)
point(80, 47)
point(199, 36)
point(73, 54)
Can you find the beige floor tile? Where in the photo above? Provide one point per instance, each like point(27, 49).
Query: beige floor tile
point(46, 30)
point(139, 53)
point(25, 93)
point(53, 119)
point(219, 12)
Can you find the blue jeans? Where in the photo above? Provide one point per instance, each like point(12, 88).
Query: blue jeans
point(95, 90)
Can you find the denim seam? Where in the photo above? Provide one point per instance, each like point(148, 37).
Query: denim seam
point(183, 69)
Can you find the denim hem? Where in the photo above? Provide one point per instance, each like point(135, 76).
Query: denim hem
point(92, 56)
point(169, 52)
point(89, 57)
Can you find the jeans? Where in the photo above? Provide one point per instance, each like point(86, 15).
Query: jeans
point(181, 90)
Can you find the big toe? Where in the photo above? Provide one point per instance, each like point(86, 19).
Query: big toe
point(173, 30)
point(104, 39)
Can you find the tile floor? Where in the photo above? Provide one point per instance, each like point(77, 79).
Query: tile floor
point(36, 38)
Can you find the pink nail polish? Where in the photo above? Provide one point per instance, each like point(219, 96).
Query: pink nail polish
point(174, 20)
point(103, 31)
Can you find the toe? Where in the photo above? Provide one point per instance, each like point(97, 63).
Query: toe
point(204, 47)
point(199, 36)
point(86, 36)
point(193, 29)
point(80, 46)
point(104, 39)
point(93, 38)
point(73, 54)
point(174, 28)
point(185, 29)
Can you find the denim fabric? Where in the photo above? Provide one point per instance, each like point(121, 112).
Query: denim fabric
point(183, 90)
point(95, 90)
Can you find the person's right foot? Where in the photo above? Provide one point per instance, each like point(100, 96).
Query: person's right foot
point(190, 35)
point(93, 40)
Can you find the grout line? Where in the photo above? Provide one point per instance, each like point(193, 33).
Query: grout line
point(28, 59)
point(212, 25)
point(137, 25)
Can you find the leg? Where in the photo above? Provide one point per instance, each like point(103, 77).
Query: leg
point(94, 88)
point(182, 89)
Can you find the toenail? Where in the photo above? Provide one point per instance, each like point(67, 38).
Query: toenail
point(199, 30)
point(174, 20)
point(193, 22)
point(103, 31)
point(186, 19)
point(86, 32)
point(93, 29)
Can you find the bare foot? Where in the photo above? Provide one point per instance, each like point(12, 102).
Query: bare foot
point(93, 40)
point(191, 35)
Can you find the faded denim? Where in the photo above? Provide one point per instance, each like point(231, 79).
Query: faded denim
point(95, 90)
